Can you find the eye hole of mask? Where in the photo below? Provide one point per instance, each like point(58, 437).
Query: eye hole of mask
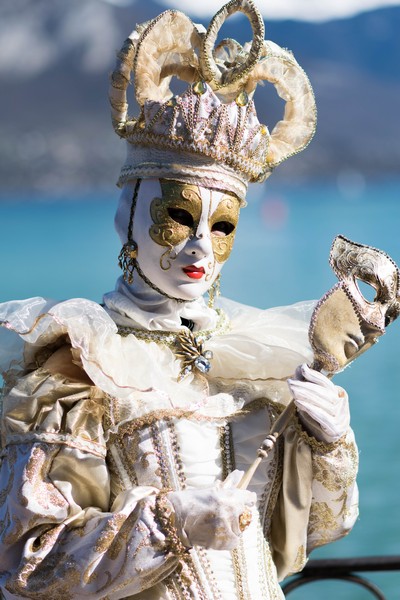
point(388, 320)
point(181, 216)
point(367, 290)
point(222, 228)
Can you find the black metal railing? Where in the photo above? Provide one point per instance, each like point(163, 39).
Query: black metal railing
point(345, 569)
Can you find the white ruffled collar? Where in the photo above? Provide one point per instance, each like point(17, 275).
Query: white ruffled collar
point(138, 305)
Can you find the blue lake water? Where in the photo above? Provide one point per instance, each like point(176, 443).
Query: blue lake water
point(68, 248)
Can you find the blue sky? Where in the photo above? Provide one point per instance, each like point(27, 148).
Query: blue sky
point(307, 10)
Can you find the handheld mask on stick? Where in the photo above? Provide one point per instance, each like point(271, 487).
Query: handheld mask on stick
point(344, 323)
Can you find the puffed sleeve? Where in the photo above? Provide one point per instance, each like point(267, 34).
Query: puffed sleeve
point(59, 535)
point(318, 498)
point(334, 507)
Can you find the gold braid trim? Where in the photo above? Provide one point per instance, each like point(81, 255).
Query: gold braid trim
point(157, 415)
point(316, 445)
point(165, 516)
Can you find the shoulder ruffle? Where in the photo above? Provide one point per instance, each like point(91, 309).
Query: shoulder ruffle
point(260, 345)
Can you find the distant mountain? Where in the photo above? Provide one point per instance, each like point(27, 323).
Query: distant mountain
point(55, 130)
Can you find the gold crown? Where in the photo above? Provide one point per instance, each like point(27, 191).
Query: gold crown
point(211, 131)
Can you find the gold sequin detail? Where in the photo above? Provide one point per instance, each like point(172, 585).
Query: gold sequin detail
point(336, 480)
point(300, 561)
point(322, 522)
point(109, 535)
point(165, 516)
point(37, 468)
point(316, 445)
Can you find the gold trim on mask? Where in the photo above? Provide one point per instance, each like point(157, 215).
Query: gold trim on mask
point(166, 231)
point(227, 210)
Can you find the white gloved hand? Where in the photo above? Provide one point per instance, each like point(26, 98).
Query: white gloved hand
point(209, 517)
point(323, 407)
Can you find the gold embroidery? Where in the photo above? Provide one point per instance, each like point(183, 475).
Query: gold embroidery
point(274, 477)
point(267, 569)
point(164, 470)
point(240, 570)
point(111, 416)
point(165, 516)
point(45, 541)
point(128, 449)
point(108, 536)
point(209, 575)
point(332, 479)
point(316, 445)
point(171, 584)
point(144, 462)
point(300, 560)
point(271, 493)
point(60, 439)
point(176, 452)
point(228, 465)
point(116, 481)
point(54, 579)
point(322, 521)
point(36, 470)
point(152, 417)
point(187, 575)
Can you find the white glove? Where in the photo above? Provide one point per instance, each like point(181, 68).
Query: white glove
point(323, 407)
point(209, 517)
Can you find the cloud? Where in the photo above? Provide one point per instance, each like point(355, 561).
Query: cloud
point(307, 10)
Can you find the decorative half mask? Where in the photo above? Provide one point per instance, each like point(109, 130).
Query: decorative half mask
point(345, 323)
point(177, 216)
point(183, 234)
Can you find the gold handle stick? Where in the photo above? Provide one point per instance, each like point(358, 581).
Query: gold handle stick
point(268, 444)
point(344, 324)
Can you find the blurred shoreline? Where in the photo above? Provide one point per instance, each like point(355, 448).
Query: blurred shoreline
point(56, 135)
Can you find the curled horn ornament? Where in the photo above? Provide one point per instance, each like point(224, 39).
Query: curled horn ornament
point(214, 122)
point(153, 67)
point(238, 72)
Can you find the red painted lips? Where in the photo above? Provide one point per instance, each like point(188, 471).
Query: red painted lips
point(194, 272)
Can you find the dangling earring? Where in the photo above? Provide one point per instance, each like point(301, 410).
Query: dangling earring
point(127, 256)
point(215, 291)
point(127, 260)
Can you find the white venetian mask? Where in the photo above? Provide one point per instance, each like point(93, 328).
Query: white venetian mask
point(184, 234)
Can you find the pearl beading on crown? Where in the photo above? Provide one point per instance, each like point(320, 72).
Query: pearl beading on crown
point(198, 122)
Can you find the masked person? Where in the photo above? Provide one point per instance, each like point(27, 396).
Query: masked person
point(127, 426)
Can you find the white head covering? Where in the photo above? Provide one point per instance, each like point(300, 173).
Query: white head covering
point(209, 135)
point(141, 305)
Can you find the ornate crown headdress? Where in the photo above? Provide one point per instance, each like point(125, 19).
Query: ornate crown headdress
point(211, 131)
